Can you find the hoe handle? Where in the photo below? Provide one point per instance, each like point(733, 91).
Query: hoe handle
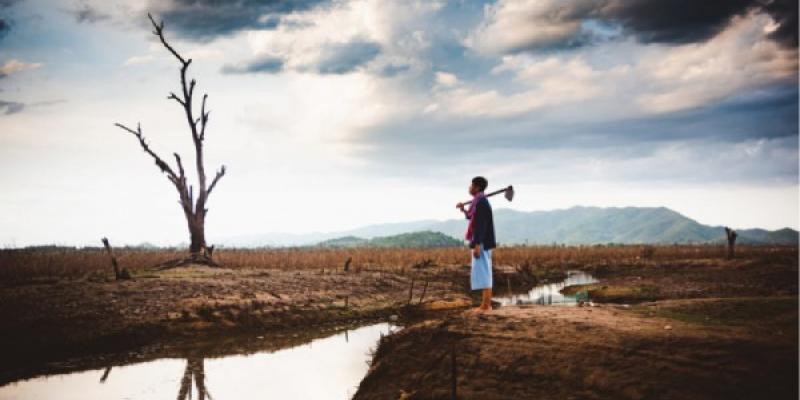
point(493, 193)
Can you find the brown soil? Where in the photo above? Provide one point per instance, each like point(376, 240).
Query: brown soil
point(523, 352)
point(719, 330)
point(693, 327)
point(47, 324)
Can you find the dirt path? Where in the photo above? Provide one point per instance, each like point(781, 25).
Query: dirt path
point(542, 352)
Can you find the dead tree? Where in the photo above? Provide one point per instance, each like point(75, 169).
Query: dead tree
point(118, 274)
point(194, 208)
point(731, 235)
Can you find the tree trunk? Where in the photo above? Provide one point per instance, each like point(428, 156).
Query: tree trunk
point(197, 233)
point(194, 209)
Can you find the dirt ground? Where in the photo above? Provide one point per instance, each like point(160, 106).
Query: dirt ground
point(717, 329)
point(682, 328)
point(46, 324)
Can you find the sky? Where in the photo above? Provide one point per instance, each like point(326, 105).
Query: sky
point(331, 115)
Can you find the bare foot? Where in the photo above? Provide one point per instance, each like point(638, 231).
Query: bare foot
point(477, 310)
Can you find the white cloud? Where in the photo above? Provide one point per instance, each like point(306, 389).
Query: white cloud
point(739, 58)
point(305, 39)
point(138, 60)
point(513, 25)
point(542, 83)
point(13, 66)
point(650, 78)
point(446, 79)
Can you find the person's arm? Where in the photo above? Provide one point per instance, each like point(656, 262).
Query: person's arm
point(460, 206)
point(480, 226)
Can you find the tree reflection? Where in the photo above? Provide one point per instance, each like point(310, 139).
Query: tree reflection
point(195, 369)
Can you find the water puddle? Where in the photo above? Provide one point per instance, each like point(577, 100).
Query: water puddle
point(549, 294)
point(325, 368)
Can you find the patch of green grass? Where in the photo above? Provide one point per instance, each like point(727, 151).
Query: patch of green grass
point(733, 311)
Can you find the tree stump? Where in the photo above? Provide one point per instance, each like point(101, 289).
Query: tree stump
point(118, 274)
point(731, 235)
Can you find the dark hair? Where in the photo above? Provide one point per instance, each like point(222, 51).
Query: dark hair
point(480, 182)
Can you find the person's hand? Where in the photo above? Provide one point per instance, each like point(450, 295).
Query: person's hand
point(476, 251)
point(460, 206)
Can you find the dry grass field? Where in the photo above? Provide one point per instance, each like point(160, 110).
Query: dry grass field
point(32, 264)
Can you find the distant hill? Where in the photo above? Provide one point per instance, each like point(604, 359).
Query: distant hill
point(575, 225)
point(412, 239)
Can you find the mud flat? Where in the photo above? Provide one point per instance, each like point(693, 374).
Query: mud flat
point(67, 324)
point(680, 326)
point(684, 329)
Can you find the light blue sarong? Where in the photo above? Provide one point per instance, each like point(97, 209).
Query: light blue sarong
point(481, 273)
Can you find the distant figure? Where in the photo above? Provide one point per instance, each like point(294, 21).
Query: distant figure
point(480, 234)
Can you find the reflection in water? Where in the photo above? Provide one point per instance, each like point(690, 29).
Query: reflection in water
point(327, 368)
point(549, 294)
point(194, 368)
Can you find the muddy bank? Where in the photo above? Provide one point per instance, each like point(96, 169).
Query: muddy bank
point(684, 279)
point(589, 353)
point(51, 324)
point(712, 306)
point(689, 329)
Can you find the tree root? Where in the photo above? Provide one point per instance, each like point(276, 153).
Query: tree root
point(198, 259)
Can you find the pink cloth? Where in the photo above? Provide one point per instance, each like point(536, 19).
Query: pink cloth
point(471, 214)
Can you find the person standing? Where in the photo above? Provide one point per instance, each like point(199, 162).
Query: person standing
point(480, 234)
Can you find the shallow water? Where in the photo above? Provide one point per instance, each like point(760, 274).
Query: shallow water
point(548, 294)
point(326, 368)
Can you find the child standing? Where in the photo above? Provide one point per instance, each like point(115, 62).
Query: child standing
point(480, 234)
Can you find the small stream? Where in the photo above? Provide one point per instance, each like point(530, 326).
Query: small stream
point(548, 294)
point(325, 368)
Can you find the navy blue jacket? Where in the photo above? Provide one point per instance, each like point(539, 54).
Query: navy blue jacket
point(483, 227)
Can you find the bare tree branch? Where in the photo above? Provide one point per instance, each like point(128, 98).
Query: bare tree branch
point(180, 165)
point(159, 31)
point(159, 162)
point(203, 117)
point(172, 96)
point(219, 175)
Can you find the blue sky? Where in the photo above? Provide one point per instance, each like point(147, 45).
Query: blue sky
point(335, 114)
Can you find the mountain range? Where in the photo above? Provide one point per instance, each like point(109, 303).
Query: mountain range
point(575, 225)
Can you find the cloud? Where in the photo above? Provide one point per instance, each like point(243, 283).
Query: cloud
point(267, 64)
point(5, 24)
point(637, 78)
point(11, 107)
point(784, 12)
point(752, 141)
point(341, 58)
point(4, 28)
point(446, 79)
point(390, 70)
point(740, 58)
point(511, 26)
point(138, 60)
point(204, 20)
point(538, 84)
point(379, 38)
point(85, 12)
point(13, 66)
